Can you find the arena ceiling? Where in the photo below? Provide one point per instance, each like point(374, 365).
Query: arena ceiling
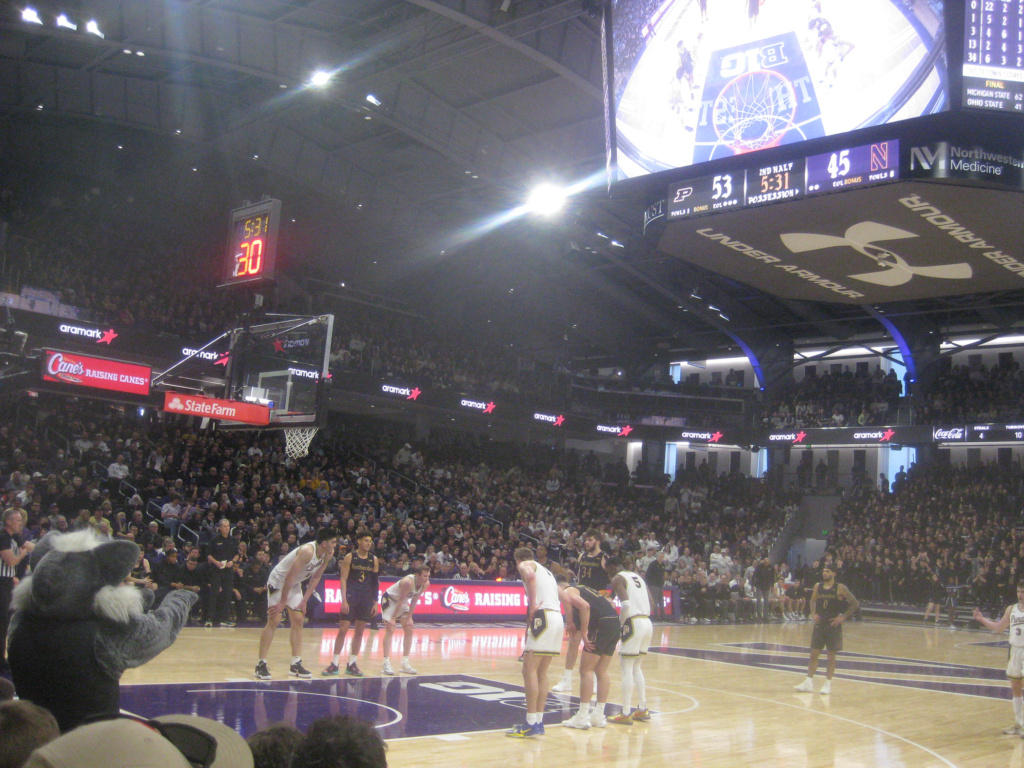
point(202, 104)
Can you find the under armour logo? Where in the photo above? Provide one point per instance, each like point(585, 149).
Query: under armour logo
point(862, 238)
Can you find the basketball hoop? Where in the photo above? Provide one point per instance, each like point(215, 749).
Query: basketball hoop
point(754, 111)
point(297, 440)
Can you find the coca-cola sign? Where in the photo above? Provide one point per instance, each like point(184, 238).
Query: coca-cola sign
point(946, 434)
point(95, 372)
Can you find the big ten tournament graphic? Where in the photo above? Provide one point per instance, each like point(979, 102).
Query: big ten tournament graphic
point(693, 86)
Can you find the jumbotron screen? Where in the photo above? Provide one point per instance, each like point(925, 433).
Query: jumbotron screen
point(698, 80)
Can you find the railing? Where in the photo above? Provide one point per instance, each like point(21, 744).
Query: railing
point(493, 521)
point(189, 531)
point(415, 486)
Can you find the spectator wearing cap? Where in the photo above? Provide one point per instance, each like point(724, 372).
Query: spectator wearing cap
point(168, 741)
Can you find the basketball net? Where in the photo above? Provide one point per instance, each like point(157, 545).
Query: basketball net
point(297, 440)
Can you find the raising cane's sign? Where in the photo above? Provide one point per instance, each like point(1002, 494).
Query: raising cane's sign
point(458, 599)
point(461, 600)
point(96, 372)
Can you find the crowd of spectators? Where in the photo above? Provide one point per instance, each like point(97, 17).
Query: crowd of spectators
point(414, 351)
point(974, 394)
point(940, 527)
point(461, 505)
point(845, 399)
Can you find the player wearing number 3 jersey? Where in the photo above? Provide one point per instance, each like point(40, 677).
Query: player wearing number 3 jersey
point(635, 621)
point(1013, 617)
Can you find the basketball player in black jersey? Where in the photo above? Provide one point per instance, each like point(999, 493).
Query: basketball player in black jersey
point(828, 618)
point(593, 616)
point(360, 589)
point(590, 568)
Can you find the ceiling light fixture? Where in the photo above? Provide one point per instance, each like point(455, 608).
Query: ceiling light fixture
point(93, 28)
point(546, 199)
point(320, 78)
point(373, 99)
point(66, 23)
point(31, 15)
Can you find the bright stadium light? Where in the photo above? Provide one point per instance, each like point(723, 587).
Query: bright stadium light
point(320, 78)
point(93, 28)
point(373, 99)
point(64, 21)
point(31, 15)
point(546, 199)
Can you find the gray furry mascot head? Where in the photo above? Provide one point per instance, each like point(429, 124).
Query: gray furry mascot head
point(78, 627)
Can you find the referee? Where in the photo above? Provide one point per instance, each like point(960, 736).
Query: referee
point(221, 555)
point(13, 549)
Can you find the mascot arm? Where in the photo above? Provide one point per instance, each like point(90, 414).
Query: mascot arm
point(123, 646)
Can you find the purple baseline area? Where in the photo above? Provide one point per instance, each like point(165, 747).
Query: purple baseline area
point(845, 669)
point(429, 705)
point(851, 655)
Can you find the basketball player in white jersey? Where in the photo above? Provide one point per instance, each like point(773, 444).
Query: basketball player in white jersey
point(284, 592)
point(635, 620)
point(544, 630)
point(1013, 618)
point(396, 606)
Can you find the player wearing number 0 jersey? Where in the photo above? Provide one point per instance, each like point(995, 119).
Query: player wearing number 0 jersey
point(544, 629)
point(635, 618)
point(396, 607)
point(1013, 617)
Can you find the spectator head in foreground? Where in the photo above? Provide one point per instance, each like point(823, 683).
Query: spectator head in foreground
point(273, 747)
point(24, 727)
point(169, 741)
point(340, 742)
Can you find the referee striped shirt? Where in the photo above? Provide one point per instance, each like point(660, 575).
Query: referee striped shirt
point(11, 542)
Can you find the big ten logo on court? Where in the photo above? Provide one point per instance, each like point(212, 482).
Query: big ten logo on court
point(766, 57)
point(480, 692)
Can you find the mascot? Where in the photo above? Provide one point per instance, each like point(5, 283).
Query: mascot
point(78, 627)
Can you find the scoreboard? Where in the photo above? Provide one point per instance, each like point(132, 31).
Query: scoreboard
point(789, 180)
point(252, 243)
point(993, 68)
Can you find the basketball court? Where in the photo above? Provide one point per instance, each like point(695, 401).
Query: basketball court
point(904, 695)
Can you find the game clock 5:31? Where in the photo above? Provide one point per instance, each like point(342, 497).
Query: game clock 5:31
point(252, 243)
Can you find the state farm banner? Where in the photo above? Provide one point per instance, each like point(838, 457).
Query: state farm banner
point(95, 372)
point(454, 600)
point(211, 407)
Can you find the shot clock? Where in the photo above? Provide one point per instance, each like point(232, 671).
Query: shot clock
point(252, 243)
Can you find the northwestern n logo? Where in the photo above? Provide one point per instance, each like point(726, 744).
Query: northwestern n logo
point(862, 238)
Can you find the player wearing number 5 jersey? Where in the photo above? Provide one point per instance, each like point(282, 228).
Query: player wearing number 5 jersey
point(1013, 617)
point(636, 628)
point(544, 629)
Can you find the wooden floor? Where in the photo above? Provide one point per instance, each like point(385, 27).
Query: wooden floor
point(724, 697)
